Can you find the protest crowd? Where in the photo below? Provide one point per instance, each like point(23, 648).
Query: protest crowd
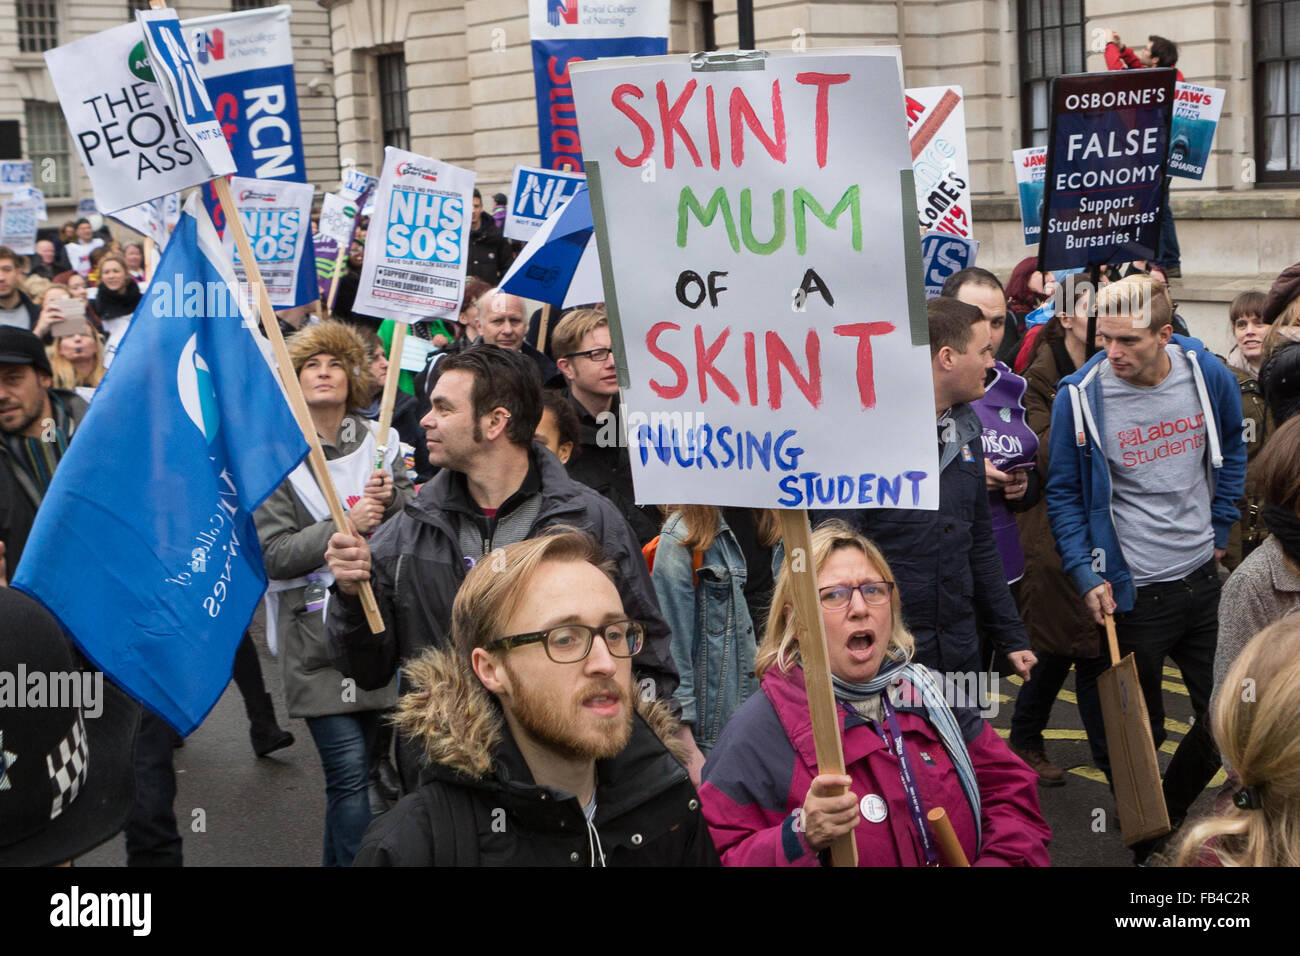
point(562, 674)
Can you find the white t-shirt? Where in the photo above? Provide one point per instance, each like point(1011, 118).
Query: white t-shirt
point(79, 253)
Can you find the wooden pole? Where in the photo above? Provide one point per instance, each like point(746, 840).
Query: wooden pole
point(334, 276)
point(1112, 640)
point(544, 329)
point(797, 538)
point(390, 391)
point(941, 826)
point(292, 388)
point(148, 258)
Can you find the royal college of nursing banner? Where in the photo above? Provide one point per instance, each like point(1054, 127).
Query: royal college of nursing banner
point(565, 31)
point(246, 61)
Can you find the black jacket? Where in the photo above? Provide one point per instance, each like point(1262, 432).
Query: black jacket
point(490, 253)
point(606, 468)
point(946, 562)
point(19, 495)
point(416, 567)
point(477, 804)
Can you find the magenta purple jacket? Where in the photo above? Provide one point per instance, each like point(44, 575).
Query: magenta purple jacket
point(760, 771)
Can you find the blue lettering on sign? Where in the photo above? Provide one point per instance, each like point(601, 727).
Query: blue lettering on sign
point(424, 226)
point(812, 489)
point(273, 233)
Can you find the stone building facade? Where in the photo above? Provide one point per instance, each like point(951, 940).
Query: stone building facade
point(27, 95)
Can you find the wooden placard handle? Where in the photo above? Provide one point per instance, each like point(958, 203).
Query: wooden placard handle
point(1112, 640)
point(796, 535)
point(292, 388)
point(334, 277)
point(390, 391)
point(942, 829)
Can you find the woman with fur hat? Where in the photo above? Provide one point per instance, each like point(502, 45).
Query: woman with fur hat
point(294, 527)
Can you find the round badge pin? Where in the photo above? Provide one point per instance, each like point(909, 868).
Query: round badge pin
point(873, 808)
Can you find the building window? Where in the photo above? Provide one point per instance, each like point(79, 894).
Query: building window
point(132, 6)
point(1277, 90)
point(1051, 43)
point(38, 25)
point(393, 115)
point(47, 139)
point(247, 4)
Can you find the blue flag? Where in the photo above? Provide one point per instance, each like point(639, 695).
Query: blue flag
point(144, 546)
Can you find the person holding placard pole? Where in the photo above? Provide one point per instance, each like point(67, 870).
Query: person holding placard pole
point(908, 750)
point(293, 527)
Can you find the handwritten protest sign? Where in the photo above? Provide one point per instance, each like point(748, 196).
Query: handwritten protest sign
point(781, 202)
point(127, 137)
point(1106, 158)
point(534, 195)
point(18, 218)
point(15, 174)
point(936, 125)
point(944, 255)
point(418, 240)
point(1031, 171)
point(276, 216)
point(1196, 116)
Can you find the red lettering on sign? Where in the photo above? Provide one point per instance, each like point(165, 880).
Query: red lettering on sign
point(821, 125)
point(678, 388)
point(866, 367)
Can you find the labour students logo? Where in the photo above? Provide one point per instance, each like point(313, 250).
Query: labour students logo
point(194, 383)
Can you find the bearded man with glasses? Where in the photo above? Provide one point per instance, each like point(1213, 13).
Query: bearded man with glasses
point(539, 749)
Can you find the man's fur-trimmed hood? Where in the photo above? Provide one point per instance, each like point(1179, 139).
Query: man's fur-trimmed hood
point(460, 725)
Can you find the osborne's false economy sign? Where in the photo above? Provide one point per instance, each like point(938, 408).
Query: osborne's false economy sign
point(774, 202)
point(1105, 179)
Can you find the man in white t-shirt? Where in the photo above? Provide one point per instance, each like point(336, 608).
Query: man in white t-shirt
point(79, 251)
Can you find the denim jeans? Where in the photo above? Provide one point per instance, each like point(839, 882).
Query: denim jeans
point(151, 835)
point(1034, 703)
point(1178, 619)
point(344, 742)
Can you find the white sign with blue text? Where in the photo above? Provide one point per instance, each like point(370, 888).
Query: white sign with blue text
point(276, 215)
point(417, 243)
point(535, 194)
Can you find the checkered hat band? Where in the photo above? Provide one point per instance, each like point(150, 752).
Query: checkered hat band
point(68, 766)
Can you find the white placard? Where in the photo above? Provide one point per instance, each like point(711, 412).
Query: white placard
point(535, 194)
point(276, 215)
point(118, 118)
point(338, 217)
point(184, 88)
point(761, 279)
point(18, 218)
point(15, 174)
point(936, 125)
point(417, 244)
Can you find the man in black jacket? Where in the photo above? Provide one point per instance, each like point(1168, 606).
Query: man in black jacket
point(36, 424)
point(538, 751)
point(946, 562)
point(496, 487)
point(490, 254)
point(587, 361)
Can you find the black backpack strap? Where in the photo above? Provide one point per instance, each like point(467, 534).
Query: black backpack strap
point(454, 825)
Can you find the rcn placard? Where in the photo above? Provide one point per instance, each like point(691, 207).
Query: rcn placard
point(1107, 149)
point(782, 200)
point(569, 31)
point(936, 128)
point(276, 216)
point(1196, 116)
point(246, 62)
point(132, 144)
point(534, 195)
point(1031, 171)
point(417, 244)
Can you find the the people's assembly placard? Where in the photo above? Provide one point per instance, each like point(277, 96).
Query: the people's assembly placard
point(760, 226)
